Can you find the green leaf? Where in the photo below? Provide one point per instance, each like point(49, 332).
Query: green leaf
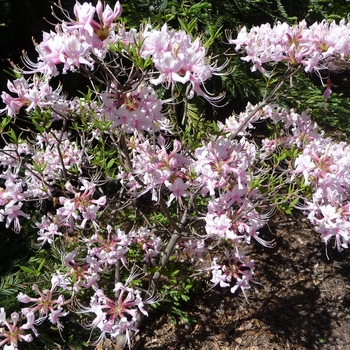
point(13, 136)
point(110, 164)
point(294, 202)
point(183, 25)
point(4, 122)
point(41, 266)
point(28, 270)
point(191, 25)
point(185, 297)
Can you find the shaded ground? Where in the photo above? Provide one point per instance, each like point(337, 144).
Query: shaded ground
point(304, 302)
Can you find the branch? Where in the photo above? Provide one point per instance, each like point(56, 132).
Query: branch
point(288, 75)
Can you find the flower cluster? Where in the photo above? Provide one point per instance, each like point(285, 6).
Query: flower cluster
point(140, 109)
point(321, 46)
point(325, 167)
point(37, 93)
point(118, 316)
point(322, 165)
point(153, 167)
point(13, 333)
point(44, 304)
point(76, 41)
point(238, 269)
point(178, 58)
point(42, 307)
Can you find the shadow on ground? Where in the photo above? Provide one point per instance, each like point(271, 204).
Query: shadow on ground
point(304, 302)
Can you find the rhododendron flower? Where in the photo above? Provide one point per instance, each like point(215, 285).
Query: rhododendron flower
point(178, 190)
point(117, 316)
point(111, 249)
point(138, 110)
point(150, 243)
point(154, 165)
point(81, 274)
point(89, 161)
point(107, 16)
point(75, 40)
point(223, 164)
point(81, 202)
point(304, 165)
point(48, 230)
point(45, 304)
point(12, 212)
point(85, 19)
point(13, 333)
point(238, 269)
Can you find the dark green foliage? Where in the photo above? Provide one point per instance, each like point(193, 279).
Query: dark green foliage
point(15, 248)
point(331, 114)
point(331, 10)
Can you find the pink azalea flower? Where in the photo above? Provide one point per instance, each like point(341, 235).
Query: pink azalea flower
point(12, 212)
point(305, 165)
point(13, 333)
point(45, 303)
point(178, 190)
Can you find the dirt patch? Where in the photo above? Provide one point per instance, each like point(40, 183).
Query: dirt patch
point(304, 302)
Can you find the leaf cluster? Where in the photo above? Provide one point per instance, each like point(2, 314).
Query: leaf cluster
point(176, 292)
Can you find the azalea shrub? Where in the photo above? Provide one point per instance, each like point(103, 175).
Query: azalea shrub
point(125, 196)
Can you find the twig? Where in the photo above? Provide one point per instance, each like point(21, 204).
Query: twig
point(289, 73)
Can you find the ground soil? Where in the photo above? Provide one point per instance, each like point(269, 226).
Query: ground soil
point(304, 302)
